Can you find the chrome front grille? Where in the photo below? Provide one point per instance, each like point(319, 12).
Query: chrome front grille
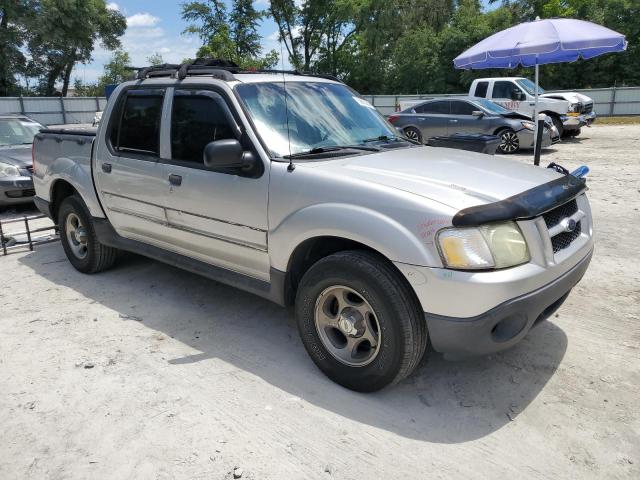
point(564, 225)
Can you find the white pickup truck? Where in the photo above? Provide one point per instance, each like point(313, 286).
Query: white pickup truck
point(569, 110)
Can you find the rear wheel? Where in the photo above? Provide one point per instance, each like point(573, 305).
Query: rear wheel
point(360, 323)
point(413, 133)
point(509, 141)
point(79, 239)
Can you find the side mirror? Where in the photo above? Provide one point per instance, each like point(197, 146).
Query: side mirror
point(227, 154)
point(477, 113)
point(517, 95)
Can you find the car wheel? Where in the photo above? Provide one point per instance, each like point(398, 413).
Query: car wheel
point(413, 133)
point(575, 133)
point(509, 141)
point(79, 240)
point(359, 321)
point(558, 124)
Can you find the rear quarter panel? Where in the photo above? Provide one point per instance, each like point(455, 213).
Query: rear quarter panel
point(65, 157)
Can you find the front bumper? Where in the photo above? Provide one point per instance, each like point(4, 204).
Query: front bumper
point(589, 118)
point(526, 138)
point(14, 190)
point(573, 122)
point(505, 325)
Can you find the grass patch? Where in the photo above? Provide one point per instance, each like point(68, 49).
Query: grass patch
point(631, 120)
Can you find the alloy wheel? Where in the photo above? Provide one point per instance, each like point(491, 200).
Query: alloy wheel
point(76, 235)
point(347, 326)
point(509, 142)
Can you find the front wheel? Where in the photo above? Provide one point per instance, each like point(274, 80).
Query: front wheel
point(558, 124)
point(79, 239)
point(359, 321)
point(509, 141)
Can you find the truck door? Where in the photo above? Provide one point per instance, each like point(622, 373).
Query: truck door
point(129, 179)
point(462, 119)
point(217, 217)
point(433, 118)
point(510, 96)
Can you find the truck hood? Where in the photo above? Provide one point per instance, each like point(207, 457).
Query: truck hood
point(18, 156)
point(456, 178)
point(571, 97)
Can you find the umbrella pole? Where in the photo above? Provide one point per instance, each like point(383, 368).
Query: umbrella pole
point(536, 144)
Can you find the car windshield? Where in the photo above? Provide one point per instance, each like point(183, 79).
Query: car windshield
point(490, 106)
point(314, 115)
point(17, 131)
point(529, 86)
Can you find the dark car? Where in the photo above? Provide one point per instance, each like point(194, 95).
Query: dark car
point(16, 164)
point(448, 116)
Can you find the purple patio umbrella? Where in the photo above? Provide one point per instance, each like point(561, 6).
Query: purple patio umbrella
point(554, 40)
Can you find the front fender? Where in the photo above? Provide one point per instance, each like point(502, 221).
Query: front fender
point(373, 229)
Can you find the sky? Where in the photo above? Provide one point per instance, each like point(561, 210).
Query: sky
point(155, 26)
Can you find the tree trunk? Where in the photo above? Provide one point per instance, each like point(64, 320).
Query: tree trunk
point(52, 76)
point(67, 77)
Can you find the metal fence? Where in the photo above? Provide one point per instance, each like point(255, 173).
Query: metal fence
point(607, 102)
point(54, 110)
point(613, 101)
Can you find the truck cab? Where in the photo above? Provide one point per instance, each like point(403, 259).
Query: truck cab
point(518, 94)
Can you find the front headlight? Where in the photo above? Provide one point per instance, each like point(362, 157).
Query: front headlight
point(529, 125)
point(497, 245)
point(7, 170)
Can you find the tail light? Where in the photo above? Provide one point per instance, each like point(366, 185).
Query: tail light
point(393, 118)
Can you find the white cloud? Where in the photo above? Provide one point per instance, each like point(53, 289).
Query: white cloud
point(142, 20)
point(113, 6)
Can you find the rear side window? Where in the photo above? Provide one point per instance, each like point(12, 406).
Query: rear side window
point(459, 107)
point(481, 89)
point(138, 128)
point(440, 107)
point(198, 118)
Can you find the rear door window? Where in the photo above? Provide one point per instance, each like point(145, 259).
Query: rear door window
point(138, 128)
point(439, 107)
point(481, 89)
point(198, 118)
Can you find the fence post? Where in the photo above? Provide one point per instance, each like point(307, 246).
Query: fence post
point(21, 100)
point(97, 104)
point(613, 101)
point(64, 114)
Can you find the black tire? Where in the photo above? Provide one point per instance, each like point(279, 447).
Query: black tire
point(401, 323)
point(97, 257)
point(574, 133)
point(509, 141)
point(412, 133)
point(558, 124)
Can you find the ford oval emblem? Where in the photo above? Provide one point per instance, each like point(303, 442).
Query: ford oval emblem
point(570, 226)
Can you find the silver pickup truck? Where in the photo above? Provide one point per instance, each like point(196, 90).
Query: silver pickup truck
point(294, 188)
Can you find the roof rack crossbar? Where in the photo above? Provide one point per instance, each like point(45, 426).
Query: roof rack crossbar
point(219, 68)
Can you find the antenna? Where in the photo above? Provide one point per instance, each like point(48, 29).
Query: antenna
point(291, 166)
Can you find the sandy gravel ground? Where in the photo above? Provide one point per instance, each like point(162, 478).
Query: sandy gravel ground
point(149, 372)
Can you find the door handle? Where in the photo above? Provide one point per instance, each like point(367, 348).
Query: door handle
point(175, 180)
point(106, 167)
point(453, 121)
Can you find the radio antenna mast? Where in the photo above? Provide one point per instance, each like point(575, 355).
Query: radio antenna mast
point(291, 166)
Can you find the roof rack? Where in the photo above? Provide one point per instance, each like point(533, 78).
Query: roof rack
point(216, 67)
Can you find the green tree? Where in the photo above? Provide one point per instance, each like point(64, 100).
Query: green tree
point(231, 37)
point(66, 32)
point(155, 59)
point(117, 70)
point(15, 18)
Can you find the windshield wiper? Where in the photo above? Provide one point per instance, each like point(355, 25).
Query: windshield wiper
point(332, 148)
point(388, 138)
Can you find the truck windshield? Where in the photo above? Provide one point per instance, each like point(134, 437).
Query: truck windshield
point(17, 131)
point(529, 86)
point(314, 115)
